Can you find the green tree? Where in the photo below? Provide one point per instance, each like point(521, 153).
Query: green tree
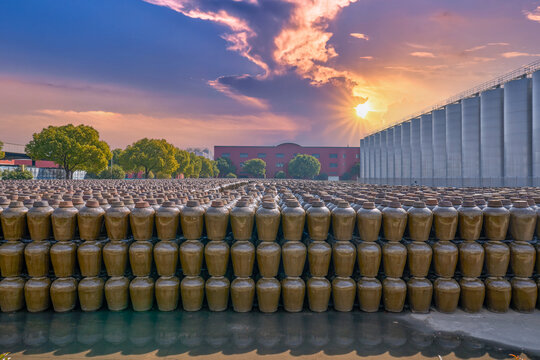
point(149, 155)
point(207, 168)
point(183, 159)
point(18, 174)
point(322, 176)
point(225, 166)
point(304, 166)
point(116, 153)
point(280, 175)
point(2, 154)
point(71, 147)
point(255, 168)
point(231, 176)
point(215, 168)
point(195, 165)
point(114, 172)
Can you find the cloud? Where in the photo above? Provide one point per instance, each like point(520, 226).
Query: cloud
point(359, 36)
point(422, 54)
point(366, 57)
point(417, 46)
point(480, 47)
point(533, 15)
point(514, 54)
point(233, 94)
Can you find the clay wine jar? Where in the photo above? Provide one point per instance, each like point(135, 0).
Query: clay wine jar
point(36, 258)
point(91, 293)
point(141, 292)
point(166, 257)
point(419, 294)
point(293, 219)
point(524, 294)
point(496, 220)
point(11, 294)
point(394, 221)
point(498, 294)
point(394, 259)
point(369, 220)
point(344, 257)
point(242, 217)
point(369, 258)
point(522, 258)
point(369, 294)
point(343, 221)
point(267, 219)
point(39, 221)
point(471, 259)
point(318, 221)
point(140, 258)
point(142, 221)
point(473, 293)
point(90, 219)
point(117, 221)
point(63, 255)
point(216, 219)
point(497, 258)
point(268, 258)
point(268, 292)
point(14, 221)
point(522, 221)
point(394, 293)
point(217, 293)
point(419, 223)
point(242, 294)
point(115, 256)
point(64, 221)
point(89, 258)
point(319, 255)
point(11, 258)
point(191, 256)
point(319, 290)
point(117, 293)
point(167, 219)
point(36, 294)
point(446, 294)
point(167, 293)
point(470, 221)
point(445, 220)
point(294, 257)
point(64, 294)
point(445, 258)
point(293, 291)
point(343, 293)
point(419, 255)
point(192, 293)
point(243, 258)
point(216, 254)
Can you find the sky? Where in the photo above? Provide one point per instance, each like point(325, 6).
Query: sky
point(201, 73)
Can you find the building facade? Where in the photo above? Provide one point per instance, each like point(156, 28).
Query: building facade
point(335, 161)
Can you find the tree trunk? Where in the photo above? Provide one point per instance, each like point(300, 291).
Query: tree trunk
point(146, 172)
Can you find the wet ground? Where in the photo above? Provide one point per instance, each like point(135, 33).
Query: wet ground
point(178, 334)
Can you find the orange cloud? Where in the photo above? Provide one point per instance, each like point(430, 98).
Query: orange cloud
point(422, 54)
point(359, 36)
point(514, 54)
point(533, 15)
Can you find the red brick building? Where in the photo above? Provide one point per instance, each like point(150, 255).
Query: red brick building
point(335, 161)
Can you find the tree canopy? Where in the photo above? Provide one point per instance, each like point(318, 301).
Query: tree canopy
point(225, 166)
point(150, 155)
point(280, 175)
point(304, 166)
point(71, 147)
point(195, 165)
point(207, 168)
point(2, 154)
point(17, 174)
point(183, 159)
point(255, 168)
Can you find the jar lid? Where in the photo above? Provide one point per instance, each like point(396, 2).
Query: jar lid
point(168, 204)
point(142, 204)
point(92, 203)
point(419, 204)
point(16, 204)
point(42, 203)
point(193, 203)
point(368, 205)
point(431, 202)
point(520, 204)
point(217, 203)
point(343, 204)
point(445, 203)
point(292, 203)
point(395, 204)
point(317, 203)
point(117, 203)
point(468, 203)
point(66, 204)
point(494, 203)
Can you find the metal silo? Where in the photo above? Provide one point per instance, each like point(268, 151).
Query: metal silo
point(416, 153)
point(406, 153)
point(426, 145)
point(536, 128)
point(377, 150)
point(390, 156)
point(439, 147)
point(371, 144)
point(517, 132)
point(397, 155)
point(384, 158)
point(453, 144)
point(470, 141)
point(492, 137)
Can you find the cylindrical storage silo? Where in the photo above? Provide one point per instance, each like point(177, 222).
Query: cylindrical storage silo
point(517, 132)
point(470, 141)
point(397, 155)
point(384, 158)
point(439, 147)
point(406, 153)
point(491, 137)
point(426, 145)
point(536, 127)
point(453, 144)
point(390, 156)
point(416, 153)
point(377, 151)
point(371, 145)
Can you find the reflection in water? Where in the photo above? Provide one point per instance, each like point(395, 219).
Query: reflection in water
point(203, 332)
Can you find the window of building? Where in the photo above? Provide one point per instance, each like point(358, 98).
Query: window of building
point(333, 156)
point(333, 165)
point(316, 156)
point(357, 156)
point(279, 165)
point(344, 156)
point(261, 155)
point(280, 155)
point(225, 155)
point(243, 155)
point(332, 173)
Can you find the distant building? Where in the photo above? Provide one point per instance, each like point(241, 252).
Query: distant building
point(335, 161)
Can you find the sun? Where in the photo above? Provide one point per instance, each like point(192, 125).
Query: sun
point(362, 109)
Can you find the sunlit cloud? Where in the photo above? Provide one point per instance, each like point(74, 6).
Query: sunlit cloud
point(514, 54)
point(422, 54)
point(533, 15)
point(366, 57)
point(416, 46)
point(244, 99)
point(480, 47)
point(359, 36)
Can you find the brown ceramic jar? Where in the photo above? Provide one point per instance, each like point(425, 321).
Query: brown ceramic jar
point(319, 290)
point(117, 293)
point(498, 294)
point(115, 256)
point(91, 293)
point(64, 294)
point(141, 292)
point(470, 221)
point(419, 222)
point(343, 293)
point(471, 259)
point(192, 293)
point(293, 291)
point(90, 220)
point(344, 257)
point(36, 294)
point(496, 220)
point(445, 220)
point(318, 221)
point(11, 294)
point(524, 294)
point(166, 257)
point(117, 221)
point(64, 221)
point(419, 255)
point(216, 254)
point(243, 258)
point(369, 258)
point(11, 258)
point(394, 293)
point(473, 293)
point(267, 219)
point(497, 256)
point(36, 258)
point(268, 258)
point(394, 221)
point(63, 255)
point(319, 255)
point(14, 221)
point(343, 221)
point(394, 259)
point(242, 294)
point(142, 221)
point(192, 220)
point(293, 219)
point(39, 221)
point(89, 258)
point(191, 256)
point(242, 218)
point(522, 258)
point(217, 293)
point(140, 258)
point(369, 294)
point(167, 293)
point(445, 258)
point(167, 219)
point(216, 219)
point(369, 220)
point(419, 294)
point(447, 292)
point(522, 221)
point(294, 258)
point(268, 293)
